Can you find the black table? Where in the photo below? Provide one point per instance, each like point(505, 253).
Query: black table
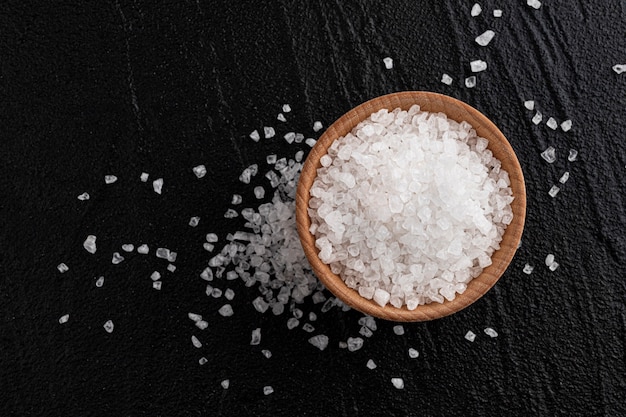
point(121, 88)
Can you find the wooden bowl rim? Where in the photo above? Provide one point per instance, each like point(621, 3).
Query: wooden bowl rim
point(502, 257)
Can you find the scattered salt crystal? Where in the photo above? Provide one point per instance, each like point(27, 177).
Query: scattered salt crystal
point(298, 156)
point(110, 179)
point(535, 4)
point(554, 191)
point(226, 310)
point(196, 343)
point(355, 343)
point(308, 327)
point(320, 341)
point(446, 79)
point(195, 317)
point(255, 135)
point(202, 324)
point(398, 383)
point(317, 126)
point(83, 196)
point(225, 383)
point(476, 9)
point(100, 282)
point(63, 319)
point(549, 259)
point(267, 390)
point(216, 293)
point(157, 285)
point(200, 171)
point(553, 266)
point(143, 249)
point(369, 322)
point(260, 304)
point(312, 316)
point(529, 104)
point(478, 65)
point(62, 268)
point(470, 335)
point(470, 82)
point(398, 329)
point(310, 142)
point(171, 257)
point(230, 214)
point(619, 68)
point(157, 185)
point(413, 353)
point(163, 253)
point(194, 221)
point(484, 38)
point(297, 313)
point(211, 237)
point(171, 268)
point(281, 117)
point(271, 159)
point(564, 177)
point(537, 118)
point(256, 336)
point(144, 177)
point(128, 247)
point(286, 108)
point(388, 62)
point(573, 155)
point(207, 274)
point(497, 13)
point(292, 323)
point(549, 154)
point(156, 275)
point(268, 132)
point(371, 364)
point(117, 258)
point(381, 297)
point(109, 326)
point(490, 332)
point(318, 297)
point(266, 353)
point(566, 125)
point(202, 360)
point(290, 137)
point(90, 244)
point(552, 123)
point(229, 294)
point(259, 192)
point(528, 269)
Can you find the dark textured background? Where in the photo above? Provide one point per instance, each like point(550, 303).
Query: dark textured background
point(95, 88)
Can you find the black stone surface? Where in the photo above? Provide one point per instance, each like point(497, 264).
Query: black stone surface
point(95, 88)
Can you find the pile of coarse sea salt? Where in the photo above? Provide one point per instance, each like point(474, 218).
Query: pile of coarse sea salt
point(409, 207)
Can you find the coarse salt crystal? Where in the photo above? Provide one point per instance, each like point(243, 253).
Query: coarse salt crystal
point(155, 276)
point(194, 221)
point(554, 191)
point(619, 68)
point(171, 268)
point(62, 268)
point(194, 317)
point(535, 4)
point(564, 177)
point(317, 126)
point(549, 259)
point(225, 383)
point(413, 353)
point(269, 132)
point(484, 38)
point(470, 335)
point(552, 123)
point(446, 79)
point(267, 390)
point(202, 361)
point(398, 383)
point(553, 266)
point(529, 104)
point(537, 118)
point(398, 329)
point(157, 285)
point(478, 65)
point(476, 9)
point(117, 258)
point(497, 13)
point(255, 135)
point(110, 179)
point(566, 126)
point(226, 310)
point(100, 282)
point(108, 326)
point(196, 342)
point(371, 364)
point(266, 353)
point(355, 343)
point(157, 185)
point(388, 62)
point(143, 249)
point(310, 142)
point(144, 177)
point(573, 155)
point(470, 82)
point(200, 171)
point(286, 108)
point(63, 319)
point(90, 244)
point(128, 247)
point(83, 196)
point(528, 269)
point(549, 155)
point(281, 117)
point(256, 336)
point(320, 341)
point(490, 332)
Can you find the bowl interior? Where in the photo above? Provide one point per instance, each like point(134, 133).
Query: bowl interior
point(456, 110)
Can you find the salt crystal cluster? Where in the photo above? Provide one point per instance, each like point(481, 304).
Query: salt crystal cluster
point(409, 207)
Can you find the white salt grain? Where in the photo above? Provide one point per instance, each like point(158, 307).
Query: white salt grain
point(194, 221)
point(320, 341)
point(255, 135)
point(476, 9)
point(109, 326)
point(355, 343)
point(110, 179)
point(470, 335)
point(484, 38)
point(202, 361)
point(312, 316)
point(236, 199)
point(497, 13)
point(266, 353)
point(535, 4)
point(155, 276)
point(528, 269)
point(63, 319)
point(117, 258)
point(470, 82)
point(286, 108)
point(564, 177)
point(211, 237)
point(619, 68)
point(549, 259)
point(388, 62)
point(281, 117)
point(308, 327)
point(271, 159)
point(292, 323)
point(553, 266)
point(554, 191)
point(398, 383)
point(83, 196)
point(566, 126)
point(90, 244)
point(128, 247)
point(269, 132)
point(267, 390)
point(371, 364)
point(413, 353)
point(143, 249)
point(317, 126)
point(529, 104)
point(573, 155)
point(144, 177)
point(229, 294)
point(259, 192)
point(62, 268)
point(290, 137)
point(256, 336)
point(196, 343)
point(230, 214)
point(157, 185)
point(537, 118)
point(446, 79)
point(310, 142)
point(552, 123)
point(478, 65)
point(194, 317)
point(490, 332)
point(157, 285)
point(171, 268)
point(225, 383)
point(399, 330)
point(549, 154)
point(100, 282)
point(200, 171)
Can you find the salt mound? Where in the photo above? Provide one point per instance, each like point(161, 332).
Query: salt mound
point(409, 207)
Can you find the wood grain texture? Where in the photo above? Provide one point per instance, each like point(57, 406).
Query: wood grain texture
point(456, 110)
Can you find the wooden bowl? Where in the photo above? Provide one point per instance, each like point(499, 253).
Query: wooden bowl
point(501, 258)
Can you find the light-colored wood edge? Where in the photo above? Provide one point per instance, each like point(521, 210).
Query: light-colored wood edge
point(456, 110)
